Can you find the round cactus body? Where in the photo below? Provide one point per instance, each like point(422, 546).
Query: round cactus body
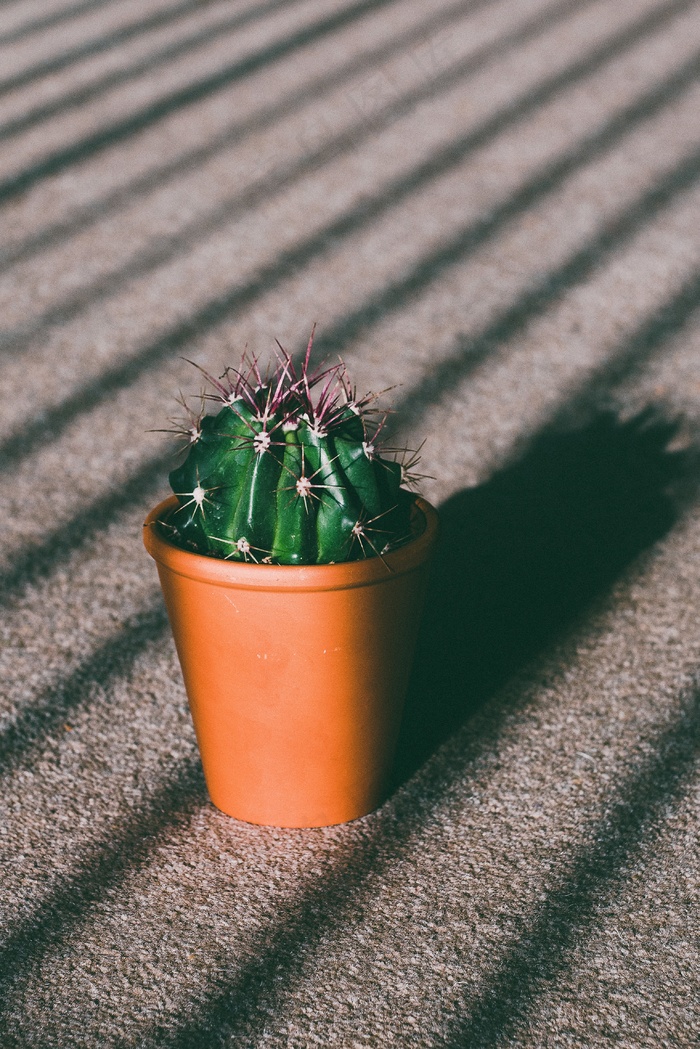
point(287, 472)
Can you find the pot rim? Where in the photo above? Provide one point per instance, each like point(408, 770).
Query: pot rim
point(250, 576)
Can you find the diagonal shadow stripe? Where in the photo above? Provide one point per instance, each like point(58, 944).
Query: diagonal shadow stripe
point(40, 560)
point(333, 901)
point(301, 926)
point(145, 66)
point(147, 116)
point(262, 119)
point(53, 420)
point(107, 42)
point(130, 846)
point(50, 709)
point(113, 657)
point(203, 226)
point(54, 18)
point(542, 953)
point(582, 264)
point(110, 661)
point(469, 238)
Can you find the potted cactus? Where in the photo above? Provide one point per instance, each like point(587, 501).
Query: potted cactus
point(293, 559)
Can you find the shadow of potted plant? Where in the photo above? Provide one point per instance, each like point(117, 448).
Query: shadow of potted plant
point(521, 557)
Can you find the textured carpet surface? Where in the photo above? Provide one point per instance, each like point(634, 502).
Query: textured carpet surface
point(494, 206)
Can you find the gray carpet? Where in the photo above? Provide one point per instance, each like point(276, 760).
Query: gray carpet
point(494, 206)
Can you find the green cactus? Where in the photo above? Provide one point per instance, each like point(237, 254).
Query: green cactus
point(287, 471)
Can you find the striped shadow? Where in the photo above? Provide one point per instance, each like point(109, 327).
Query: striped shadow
point(130, 846)
point(332, 901)
point(264, 191)
point(54, 420)
point(40, 560)
point(95, 143)
point(453, 369)
point(636, 816)
point(302, 926)
point(109, 41)
point(146, 66)
point(111, 661)
point(114, 656)
point(160, 176)
point(51, 19)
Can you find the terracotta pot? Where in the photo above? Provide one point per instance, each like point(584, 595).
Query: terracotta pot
point(296, 675)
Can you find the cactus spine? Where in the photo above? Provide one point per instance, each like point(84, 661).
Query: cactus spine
point(287, 471)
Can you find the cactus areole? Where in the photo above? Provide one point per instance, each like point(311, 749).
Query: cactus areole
point(288, 470)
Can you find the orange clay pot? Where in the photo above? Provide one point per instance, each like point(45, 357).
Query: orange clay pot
point(296, 675)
